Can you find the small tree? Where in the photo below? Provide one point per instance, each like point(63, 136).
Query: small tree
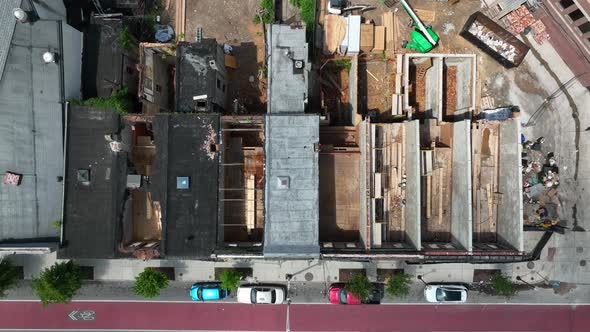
point(58, 283)
point(230, 280)
point(359, 286)
point(149, 283)
point(399, 285)
point(8, 276)
point(503, 285)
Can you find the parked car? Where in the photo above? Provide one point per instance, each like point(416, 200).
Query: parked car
point(207, 291)
point(261, 294)
point(445, 293)
point(338, 294)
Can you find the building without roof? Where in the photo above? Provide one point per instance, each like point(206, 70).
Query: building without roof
point(40, 63)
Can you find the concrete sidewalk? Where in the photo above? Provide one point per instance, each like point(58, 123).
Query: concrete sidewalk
point(311, 278)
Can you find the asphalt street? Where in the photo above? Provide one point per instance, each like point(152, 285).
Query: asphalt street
point(302, 317)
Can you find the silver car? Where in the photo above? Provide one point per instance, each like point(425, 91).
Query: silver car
point(261, 294)
point(445, 293)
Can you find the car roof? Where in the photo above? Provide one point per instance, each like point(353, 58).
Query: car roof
point(210, 293)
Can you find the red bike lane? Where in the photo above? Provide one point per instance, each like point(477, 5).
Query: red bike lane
point(303, 317)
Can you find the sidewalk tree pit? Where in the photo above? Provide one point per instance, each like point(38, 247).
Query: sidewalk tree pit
point(149, 283)
point(58, 283)
point(8, 276)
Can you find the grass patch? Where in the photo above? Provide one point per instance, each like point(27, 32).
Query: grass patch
point(399, 285)
point(268, 12)
point(119, 101)
point(346, 63)
point(503, 285)
point(307, 12)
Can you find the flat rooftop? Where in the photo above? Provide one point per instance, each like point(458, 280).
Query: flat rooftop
point(185, 145)
point(288, 76)
point(31, 127)
point(93, 203)
point(292, 185)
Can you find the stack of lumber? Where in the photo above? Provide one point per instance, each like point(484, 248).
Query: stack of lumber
point(379, 46)
point(387, 21)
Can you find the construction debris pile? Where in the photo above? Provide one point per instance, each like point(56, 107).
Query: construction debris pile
point(489, 38)
point(540, 183)
point(520, 19)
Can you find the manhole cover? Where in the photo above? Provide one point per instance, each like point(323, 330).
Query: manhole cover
point(579, 250)
point(309, 276)
point(583, 262)
point(530, 265)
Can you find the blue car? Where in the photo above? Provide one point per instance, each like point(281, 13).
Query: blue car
point(207, 292)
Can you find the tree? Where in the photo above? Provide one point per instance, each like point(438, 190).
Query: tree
point(359, 286)
point(399, 285)
point(149, 283)
point(58, 283)
point(503, 285)
point(230, 280)
point(8, 276)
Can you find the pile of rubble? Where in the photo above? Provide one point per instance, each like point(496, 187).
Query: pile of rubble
point(540, 185)
point(489, 38)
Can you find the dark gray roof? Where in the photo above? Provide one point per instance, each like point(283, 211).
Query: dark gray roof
point(31, 133)
point(292, 215)
point(189, 216)
point(102, 68)
point(7, 23)
point(287, 86)
point(91, 211)
point(195, 76)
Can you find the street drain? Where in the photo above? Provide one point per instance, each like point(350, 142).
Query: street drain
point(309, 276)
point(579, 250)
point(583, 262)
point(530, 265)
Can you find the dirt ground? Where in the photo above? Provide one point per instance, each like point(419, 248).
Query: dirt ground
point(230, 22)
point(339, 199)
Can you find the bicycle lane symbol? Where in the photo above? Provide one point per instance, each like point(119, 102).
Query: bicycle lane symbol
point(82, 315)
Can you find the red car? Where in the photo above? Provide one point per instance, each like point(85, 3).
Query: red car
point(339, 295)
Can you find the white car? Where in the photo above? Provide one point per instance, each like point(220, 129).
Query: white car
point(261, 294)
point(445, 293)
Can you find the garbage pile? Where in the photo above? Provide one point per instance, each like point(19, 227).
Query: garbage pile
point(540, 185)
point(489, 38)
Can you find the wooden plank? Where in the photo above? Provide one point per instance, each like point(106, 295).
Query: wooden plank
point(379, 43)
point(387, 21)
point(440, 196)
point(425, 15)
point(230, 61)
point(367, 37)
point(250, 202)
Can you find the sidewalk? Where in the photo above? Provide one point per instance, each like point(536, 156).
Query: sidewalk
point(311, 279)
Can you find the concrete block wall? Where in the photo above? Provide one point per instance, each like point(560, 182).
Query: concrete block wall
point(510, 212)
point(413, 207)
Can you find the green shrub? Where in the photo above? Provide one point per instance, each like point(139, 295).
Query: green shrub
point(360, 286)
point(503, 285)
point(399, 285)
point(118, 101)
point(346, 63)
point(8, 276)
point(307, 12)
point(149, 283)
point(230, 280)
point(58, 283)
point(127, 38)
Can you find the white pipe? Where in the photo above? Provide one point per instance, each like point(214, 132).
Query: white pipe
point(417, 21)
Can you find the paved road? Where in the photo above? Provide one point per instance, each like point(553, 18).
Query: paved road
point(303, 317)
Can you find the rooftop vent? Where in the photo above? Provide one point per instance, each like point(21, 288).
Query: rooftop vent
point(49, 57)
point(182, 182)
point(83, 176)
point(299, 64)
point(20, 15)
point(283, 182)
point(133, 181)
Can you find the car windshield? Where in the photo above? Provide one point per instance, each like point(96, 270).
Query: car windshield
point(200, 293)
point(343, 296)
point(447, 295)
point(253, 295)
point(273, 296)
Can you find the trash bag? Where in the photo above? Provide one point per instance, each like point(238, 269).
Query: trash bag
point(164, 33)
